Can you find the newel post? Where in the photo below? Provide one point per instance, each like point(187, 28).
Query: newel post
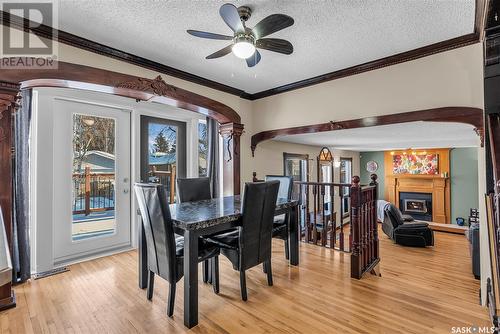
point(356, 262)
point(375, 243)
point(231, 133)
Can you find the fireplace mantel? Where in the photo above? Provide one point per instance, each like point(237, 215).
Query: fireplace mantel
point(437, 185)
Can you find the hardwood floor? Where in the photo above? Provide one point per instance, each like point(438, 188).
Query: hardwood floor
point(420, 291)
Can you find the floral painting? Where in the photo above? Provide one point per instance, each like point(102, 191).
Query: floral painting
point(425, 164)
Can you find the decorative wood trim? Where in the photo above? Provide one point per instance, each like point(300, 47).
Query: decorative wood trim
point(68, 75)
point(8, 98)
point(88, 45)
point(467, 115)
point(231, 133)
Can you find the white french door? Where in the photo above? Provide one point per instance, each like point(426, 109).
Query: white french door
point(91, 175)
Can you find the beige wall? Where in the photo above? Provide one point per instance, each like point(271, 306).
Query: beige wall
point(452, 78)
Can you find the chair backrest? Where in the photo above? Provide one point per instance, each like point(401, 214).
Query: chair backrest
point(157, 223)
point(286, 185)
point(259, 204)
point(193, 189)
point(395, 215)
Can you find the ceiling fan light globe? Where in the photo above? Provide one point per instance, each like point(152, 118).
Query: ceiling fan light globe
point(243, 49)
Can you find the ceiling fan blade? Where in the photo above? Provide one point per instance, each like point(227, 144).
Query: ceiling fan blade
point(209, 35)
point(221, 52)
point(275, 44)
point(271, 24)
point(230, 15)
point(254, 59)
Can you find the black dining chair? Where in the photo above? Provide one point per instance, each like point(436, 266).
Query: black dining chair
point(165, 249)
point(280, 224)
point(250, 244)
point(193, 190)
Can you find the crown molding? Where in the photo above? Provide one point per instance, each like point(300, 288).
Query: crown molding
point(85, 44)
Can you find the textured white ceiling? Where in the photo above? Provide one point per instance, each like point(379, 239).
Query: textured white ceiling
point(327, 35)
point(395, 136)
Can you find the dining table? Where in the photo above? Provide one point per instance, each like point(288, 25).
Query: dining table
point(202, 218)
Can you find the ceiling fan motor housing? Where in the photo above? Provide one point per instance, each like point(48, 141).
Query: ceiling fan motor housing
point(245, 12)
point(244, 37)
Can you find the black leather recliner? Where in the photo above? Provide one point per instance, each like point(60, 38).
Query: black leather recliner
point(404, 232)
point(165, 248)
point(250, 245)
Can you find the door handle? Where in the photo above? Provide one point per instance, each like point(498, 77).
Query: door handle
point(125, 191)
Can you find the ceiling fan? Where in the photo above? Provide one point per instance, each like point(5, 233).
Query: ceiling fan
point(246, 40)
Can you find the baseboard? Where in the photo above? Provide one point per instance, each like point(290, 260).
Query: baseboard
point(94, 256)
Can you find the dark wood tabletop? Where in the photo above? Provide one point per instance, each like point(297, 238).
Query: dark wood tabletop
point(207, 213)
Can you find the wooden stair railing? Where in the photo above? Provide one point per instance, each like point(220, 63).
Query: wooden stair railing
point(320, 219)
point(320, 223)
point(365, 256)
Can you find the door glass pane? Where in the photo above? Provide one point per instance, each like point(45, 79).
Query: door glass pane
point(93, 177)
point(202, 148)
point(293, 169)
point(296, 168)
point(345, 177)
point(162, 161)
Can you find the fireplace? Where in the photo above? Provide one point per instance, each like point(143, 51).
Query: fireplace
point(417, 205)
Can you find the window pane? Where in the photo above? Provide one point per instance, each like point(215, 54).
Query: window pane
point(202, 148)
point(162, 139)
point(93, 177)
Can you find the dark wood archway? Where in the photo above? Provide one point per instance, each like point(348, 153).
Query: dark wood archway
point(467, 115)
point(68, 75)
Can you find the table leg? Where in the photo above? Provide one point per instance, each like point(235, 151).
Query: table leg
point(143, 257)
point(190, 279)
point(294, 235)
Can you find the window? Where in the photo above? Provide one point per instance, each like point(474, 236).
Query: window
point(163, 152)
point(202, 148)
point(345, 177)
point(296, 165)
point(93, 176)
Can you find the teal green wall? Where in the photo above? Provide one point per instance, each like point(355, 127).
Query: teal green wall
point(378, 157)
point(464, 188)
point(463, 172)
